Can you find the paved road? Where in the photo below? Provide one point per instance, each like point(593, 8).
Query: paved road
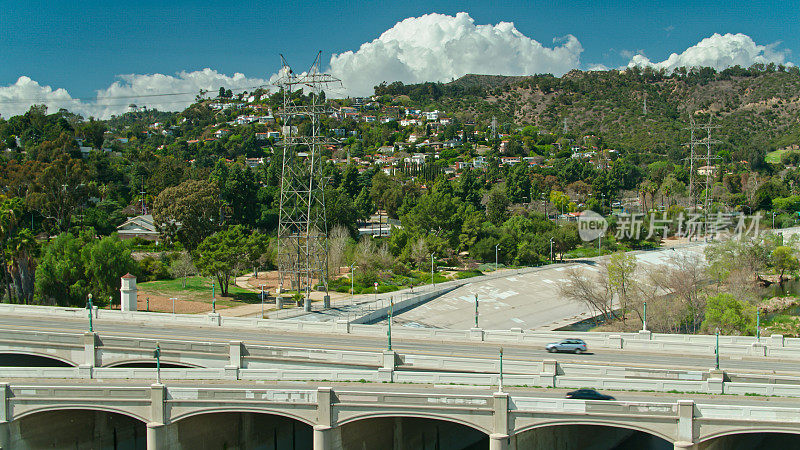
point(364, 343)
point(628, 396)
point(528, 301)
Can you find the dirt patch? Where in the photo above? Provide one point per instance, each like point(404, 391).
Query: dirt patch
point(160, 303)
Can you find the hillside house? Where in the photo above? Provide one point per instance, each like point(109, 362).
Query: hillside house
point(140, 226)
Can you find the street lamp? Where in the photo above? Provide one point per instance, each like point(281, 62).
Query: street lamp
point(716, 350)
point(173, 305)
point(262, 301)
point(644, 322)
point(157, 356)
point(391, 311)
point(496, 248)
point(551, 249)
point(90, 307)
point(432, 282)
point(476, 310)
point(758, 325)
point(500, 383)
point(352, 281)
point(213, 298)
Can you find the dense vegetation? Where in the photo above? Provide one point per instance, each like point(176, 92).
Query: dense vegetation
point(68, 182)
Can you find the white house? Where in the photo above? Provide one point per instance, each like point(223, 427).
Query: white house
point(431, 115)
point(140, 226)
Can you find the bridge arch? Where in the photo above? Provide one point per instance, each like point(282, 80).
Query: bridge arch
point(80, 407)
point(165, 363)
point(400, 429)
point(48, 356)
point(79, 426)
point(652, 431)
point(255, 410)
point(382, 415)
point(241, 427)
point(774, 429)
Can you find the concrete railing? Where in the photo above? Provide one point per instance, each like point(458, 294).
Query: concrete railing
point(773, 346)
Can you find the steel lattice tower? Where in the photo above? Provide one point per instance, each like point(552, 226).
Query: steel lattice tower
point(302, 226)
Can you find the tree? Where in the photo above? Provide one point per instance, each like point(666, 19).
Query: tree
point(188, 212)
point(783, 259)
point(559, 199)
point(621, 268)
point(21, 250)
point(730, 315)
point(596, 294)
point(73, 267)
point(497, 205)
point(221, 254)
point(182, 267)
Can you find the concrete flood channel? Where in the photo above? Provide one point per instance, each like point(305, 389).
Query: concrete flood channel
point(87, 429)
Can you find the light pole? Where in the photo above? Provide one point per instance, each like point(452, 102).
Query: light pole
point(352, 281)
point(173, 305)
point(391, 311)
point(476, 310)
point(758, 325)
point(213, 298)
point(432, 282)
point(644, 322)
point(599, 244)
point(90, 307)
point(551, 249)
point(773, 220)
point(262, 301)
point(157, 356)
point(496, 248)
point(716, 350)
point(500, 383)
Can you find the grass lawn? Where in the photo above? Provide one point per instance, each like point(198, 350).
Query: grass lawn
point(197, 289)
point(774, 157)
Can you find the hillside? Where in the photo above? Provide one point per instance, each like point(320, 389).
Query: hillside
point(757, 110)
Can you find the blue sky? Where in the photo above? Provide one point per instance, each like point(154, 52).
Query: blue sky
point(83, 46)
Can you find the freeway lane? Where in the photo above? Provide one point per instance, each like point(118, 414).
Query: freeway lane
point(626, 396)
point(364, 343)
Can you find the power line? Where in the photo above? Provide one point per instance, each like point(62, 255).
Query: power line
point(115, 97)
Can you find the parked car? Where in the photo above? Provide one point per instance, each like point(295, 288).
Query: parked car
point(588, 394)
point(567, 345)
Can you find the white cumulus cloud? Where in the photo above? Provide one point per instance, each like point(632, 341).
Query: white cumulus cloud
point(438, 47)
point(140, 89)
point(719, 51)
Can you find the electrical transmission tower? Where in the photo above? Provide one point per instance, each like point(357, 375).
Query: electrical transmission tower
point(302, 227)
point(694, 157)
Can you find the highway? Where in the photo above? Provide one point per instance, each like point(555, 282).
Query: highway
point(474, 349)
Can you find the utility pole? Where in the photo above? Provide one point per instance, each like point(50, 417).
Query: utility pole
point(551, 249)
point(496, 248)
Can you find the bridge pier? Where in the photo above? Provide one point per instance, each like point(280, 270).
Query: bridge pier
point(500, 439)
point(322, 437)
point(155, 436)
point(497, 441)
point(5, 426)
